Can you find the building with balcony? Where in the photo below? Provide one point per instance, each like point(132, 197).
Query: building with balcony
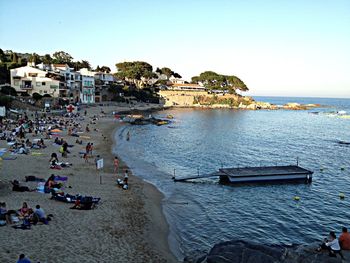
point(102, 82)
point(32, 80)
point(87, 93)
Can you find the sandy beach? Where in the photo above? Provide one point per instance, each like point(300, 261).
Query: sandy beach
point(126, 226)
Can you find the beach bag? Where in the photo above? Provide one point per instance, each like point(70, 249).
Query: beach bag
point(61, 149)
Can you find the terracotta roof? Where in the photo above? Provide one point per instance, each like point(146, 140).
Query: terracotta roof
point(59, 65)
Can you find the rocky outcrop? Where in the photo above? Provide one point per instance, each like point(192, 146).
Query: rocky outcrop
point(239, 251)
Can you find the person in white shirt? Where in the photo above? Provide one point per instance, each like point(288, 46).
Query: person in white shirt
point(332, 245)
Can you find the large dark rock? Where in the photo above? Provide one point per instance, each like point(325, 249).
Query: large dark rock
point(249, 252)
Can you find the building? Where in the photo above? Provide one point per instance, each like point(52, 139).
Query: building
point(186, 87)
point(32, 80)
point(102, 83)
point(87, 92)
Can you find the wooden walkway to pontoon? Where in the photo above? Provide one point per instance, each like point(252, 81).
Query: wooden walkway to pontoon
point(201, 176)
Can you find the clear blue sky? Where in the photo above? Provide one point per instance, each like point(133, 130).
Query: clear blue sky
point(281, 47)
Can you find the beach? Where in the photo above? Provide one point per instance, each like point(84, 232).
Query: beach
point(127, 225)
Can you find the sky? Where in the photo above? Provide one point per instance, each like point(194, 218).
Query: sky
point(278, 48)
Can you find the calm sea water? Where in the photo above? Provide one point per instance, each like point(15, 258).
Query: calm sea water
point(202, 214)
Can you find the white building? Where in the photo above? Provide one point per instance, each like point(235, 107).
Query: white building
point(31, 80)
point(186, 86)
point(87, 94)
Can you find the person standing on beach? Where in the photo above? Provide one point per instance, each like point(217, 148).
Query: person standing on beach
point(116, 165)
point(87, 148)
point(126, 177)
point(128, 136)
point(91, 147)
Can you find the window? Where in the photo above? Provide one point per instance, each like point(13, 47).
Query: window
point(45, 91)
point(41, 92)
point(32, 74)
point(16, 82)
point(43, 83)
point(38, 84)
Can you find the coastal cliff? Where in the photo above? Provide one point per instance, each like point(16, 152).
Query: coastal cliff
point(238, 251)
point(204, 99)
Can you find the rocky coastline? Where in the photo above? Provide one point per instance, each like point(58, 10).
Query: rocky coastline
point(240, 251)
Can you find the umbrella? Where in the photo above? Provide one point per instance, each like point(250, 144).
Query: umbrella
point(56, 130)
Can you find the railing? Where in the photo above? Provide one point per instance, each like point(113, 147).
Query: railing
point(26, 86)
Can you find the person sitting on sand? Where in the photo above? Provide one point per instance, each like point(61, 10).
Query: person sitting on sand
point(40, 216)
point(22, 259)
point(24, 210)
point(50, 184)
point(4, 214)
point(332, 245)
point(54, 159)
point(344, 239)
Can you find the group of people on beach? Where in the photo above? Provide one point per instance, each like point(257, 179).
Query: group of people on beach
point(22, 135)
point(27, 215)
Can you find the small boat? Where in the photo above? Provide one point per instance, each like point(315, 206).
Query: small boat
point(169, 116)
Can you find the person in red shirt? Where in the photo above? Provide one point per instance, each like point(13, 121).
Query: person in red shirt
point(344, 239)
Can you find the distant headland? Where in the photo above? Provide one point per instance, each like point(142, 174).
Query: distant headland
point(59, 80)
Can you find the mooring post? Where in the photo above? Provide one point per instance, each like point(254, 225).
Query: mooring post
point(174, 174)
point(297, 161)
point(198, 172)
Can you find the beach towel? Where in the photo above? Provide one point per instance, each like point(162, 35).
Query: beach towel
point(37, 154)
point(8, 158)
point(85, 137)
point(61, 178)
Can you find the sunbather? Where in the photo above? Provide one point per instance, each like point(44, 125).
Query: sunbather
point(16, 187)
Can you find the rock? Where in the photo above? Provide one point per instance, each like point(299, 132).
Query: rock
point(239, 251)
point(252, 106)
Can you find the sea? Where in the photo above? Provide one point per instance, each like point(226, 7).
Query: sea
point(200, 141)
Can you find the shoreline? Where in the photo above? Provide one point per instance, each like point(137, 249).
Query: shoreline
point(158, 234)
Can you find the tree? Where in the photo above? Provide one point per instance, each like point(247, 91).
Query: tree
point(167, 71)
point(3, 57)
point(36, 96)
point(105, 69)
point(34, 58)
point(81, 64)
point(213, 80)
point(47, 59)
point(8, 90)
point(14, 57)
point(138, 72)
point(177, 75)
point(61, 57)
